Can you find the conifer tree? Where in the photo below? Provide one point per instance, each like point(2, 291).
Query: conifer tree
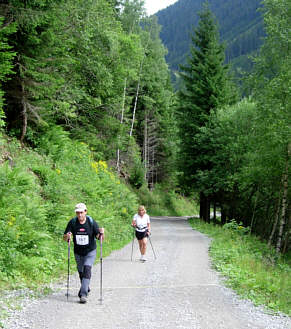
point(206, 87)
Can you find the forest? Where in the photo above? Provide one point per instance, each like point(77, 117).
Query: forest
point(240, 24)
point(88, 110)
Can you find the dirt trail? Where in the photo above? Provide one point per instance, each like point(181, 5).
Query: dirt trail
point(177, 290)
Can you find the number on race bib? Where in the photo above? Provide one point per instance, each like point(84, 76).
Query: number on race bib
point(82, 240)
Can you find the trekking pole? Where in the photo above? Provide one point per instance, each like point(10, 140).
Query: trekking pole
point(101, 260)
point(132, 245)
point(68, 279)
point(152, 246)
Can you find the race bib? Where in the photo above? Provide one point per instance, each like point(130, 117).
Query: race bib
point(82, 240)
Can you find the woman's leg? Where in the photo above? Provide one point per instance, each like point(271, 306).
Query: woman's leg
point(143, 246)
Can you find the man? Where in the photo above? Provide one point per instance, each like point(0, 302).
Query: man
point(85, 231)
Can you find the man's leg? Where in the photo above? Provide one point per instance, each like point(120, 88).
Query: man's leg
point(80, 266)
point(86, 276)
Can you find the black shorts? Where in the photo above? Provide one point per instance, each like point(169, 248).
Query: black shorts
point(141, 235)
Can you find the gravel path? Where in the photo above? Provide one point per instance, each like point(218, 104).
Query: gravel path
point(177, 290)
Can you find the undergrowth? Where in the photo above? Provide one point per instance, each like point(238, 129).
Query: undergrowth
point(162, 202)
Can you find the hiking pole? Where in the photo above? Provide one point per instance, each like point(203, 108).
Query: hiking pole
point(152, 246)
point(132, 245)
point(68, 279)
point(101, 259)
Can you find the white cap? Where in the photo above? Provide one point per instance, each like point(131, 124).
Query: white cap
point(80, 207)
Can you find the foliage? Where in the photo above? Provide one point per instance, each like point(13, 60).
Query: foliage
point(86, 76)
point(244, 148)
point(248, 265)
point(6, 56)
point(239, 228)
point(163, 202)
point(37, 198)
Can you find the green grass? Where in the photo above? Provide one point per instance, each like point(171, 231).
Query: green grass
point(251, 268)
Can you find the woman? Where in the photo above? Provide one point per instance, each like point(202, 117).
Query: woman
point(141, 223)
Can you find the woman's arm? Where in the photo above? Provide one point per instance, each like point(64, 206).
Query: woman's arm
point(149, 227)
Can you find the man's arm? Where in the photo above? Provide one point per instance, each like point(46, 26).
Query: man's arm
point(67, 236)
point(100, 233)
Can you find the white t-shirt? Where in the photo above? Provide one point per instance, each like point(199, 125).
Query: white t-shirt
point(141, 222)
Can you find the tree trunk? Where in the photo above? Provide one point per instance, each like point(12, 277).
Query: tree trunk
point(275, 221)
point(287, 236)
point(254, 210)
point(134, 108)
point(145, 147)
point(24, 114)
point(284, 201)
point(208, 209)
point(214, 211)
point(204, 207)
point(138, 85)
point(121, 121)
point(223, 215)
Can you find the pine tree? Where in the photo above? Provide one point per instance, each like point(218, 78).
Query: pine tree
point(206, 87)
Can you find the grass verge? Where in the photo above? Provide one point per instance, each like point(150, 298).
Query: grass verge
point(250, 267)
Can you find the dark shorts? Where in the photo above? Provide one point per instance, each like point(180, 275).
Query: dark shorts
point(141, 235)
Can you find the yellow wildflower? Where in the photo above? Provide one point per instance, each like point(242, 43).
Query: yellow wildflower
point(11, 221)
point(103, 164)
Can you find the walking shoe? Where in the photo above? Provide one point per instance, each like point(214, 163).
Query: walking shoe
point(79, 293)
point(142, 258)
point(83, 299)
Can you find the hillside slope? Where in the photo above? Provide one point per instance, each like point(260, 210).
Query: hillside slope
point(240, 26)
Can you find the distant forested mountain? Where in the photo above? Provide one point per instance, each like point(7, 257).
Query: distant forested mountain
point(240, 25)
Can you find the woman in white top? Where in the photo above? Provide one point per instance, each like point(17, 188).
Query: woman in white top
point(141, 223)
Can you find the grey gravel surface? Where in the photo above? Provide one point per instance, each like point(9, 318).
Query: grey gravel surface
point(178, 290)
